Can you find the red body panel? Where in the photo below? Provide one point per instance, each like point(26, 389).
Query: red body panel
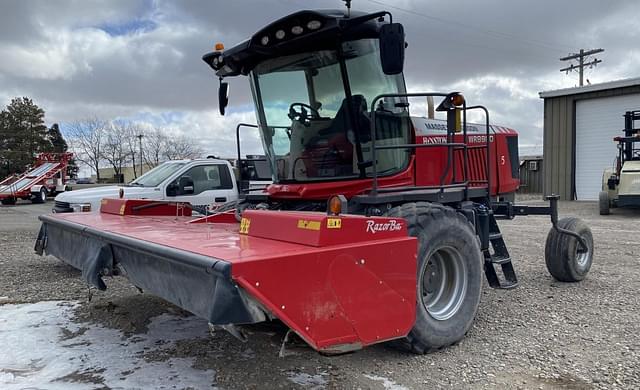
point(348, 188)
point(341, 297)
point(434, 159)
point(340, 286)
point(144, 207)
point(318, 229)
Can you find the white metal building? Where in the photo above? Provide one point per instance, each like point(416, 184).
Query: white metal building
point(579, 126)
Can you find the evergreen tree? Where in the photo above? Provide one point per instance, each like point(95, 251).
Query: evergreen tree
point(58, 144)
point(23, 135)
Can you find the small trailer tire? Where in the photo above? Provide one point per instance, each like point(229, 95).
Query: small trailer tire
point(449, 280)
point(565, 260)
point(603, 202)
point(40, 196)
point(8, 201)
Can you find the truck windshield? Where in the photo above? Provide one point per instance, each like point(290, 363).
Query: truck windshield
point(305, 119)
point(157, 175)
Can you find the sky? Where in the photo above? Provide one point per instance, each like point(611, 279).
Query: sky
point(140, 60)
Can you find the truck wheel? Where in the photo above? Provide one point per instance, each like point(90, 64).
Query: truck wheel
point(566, 261)
point(40, 196)
point(449, 275)
point(603, 202)
point(8, 201)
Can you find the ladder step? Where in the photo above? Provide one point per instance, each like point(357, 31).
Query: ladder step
point(509, 281)
point(508, 285)
point(500, 259)
point(494, 236)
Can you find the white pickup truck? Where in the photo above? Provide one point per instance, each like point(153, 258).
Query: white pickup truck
point(200, 182)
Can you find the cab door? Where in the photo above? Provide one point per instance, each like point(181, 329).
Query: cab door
point(203, 186)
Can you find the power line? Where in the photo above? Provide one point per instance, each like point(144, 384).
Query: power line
point(581, 56)
point(494, 33)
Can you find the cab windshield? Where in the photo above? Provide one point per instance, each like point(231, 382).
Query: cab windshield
point(312, 131)
point(157, 175)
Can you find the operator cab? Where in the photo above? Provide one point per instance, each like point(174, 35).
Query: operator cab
point(314, 76)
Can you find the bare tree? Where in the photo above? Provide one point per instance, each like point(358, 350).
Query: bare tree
point(132, 144)
point(87, 138)
point(181, 147)
point(155, 142)
point(115, 150)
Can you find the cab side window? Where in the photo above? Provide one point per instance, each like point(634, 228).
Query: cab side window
point(205, 178)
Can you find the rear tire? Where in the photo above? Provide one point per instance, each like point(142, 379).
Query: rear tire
point(565, 260)
point(8, 201)
point(449, 275)
point(40, 197)
point(603, 202)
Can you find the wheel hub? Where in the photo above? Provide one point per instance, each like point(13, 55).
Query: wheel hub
point(444, 283)
point(582, 256)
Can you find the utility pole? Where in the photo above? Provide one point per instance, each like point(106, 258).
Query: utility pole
point(581, 62)
point(141, 158)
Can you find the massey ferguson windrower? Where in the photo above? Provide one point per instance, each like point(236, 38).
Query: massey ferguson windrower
point(378, 226)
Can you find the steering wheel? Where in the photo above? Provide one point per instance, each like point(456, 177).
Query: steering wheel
point(302, 115)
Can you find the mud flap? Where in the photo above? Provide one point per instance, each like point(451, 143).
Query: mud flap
point(92, 257)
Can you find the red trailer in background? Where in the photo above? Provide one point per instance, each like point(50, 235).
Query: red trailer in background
point(48, 177)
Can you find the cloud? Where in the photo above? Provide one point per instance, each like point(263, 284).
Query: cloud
point(140, 60)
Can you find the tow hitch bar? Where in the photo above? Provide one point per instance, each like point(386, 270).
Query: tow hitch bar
point(507, 210)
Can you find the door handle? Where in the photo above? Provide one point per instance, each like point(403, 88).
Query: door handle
point(221, 199)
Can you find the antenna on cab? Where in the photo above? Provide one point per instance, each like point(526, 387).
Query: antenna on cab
point(348, 4)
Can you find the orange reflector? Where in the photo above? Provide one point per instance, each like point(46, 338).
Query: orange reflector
point(219, 46)
point(457, 99)
point(335, 205)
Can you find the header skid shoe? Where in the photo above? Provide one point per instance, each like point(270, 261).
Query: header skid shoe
point(340, 282)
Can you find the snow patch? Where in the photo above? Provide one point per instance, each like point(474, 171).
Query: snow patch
point(386, 382)
point(313, 382)
point(42, 347)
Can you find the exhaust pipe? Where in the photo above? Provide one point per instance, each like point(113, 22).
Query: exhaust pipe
point(431, 112)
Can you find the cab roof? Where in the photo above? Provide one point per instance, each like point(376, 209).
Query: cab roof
point(334, 27)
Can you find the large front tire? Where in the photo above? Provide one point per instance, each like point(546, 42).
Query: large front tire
point(449, 279)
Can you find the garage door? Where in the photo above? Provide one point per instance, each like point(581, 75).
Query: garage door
point(597, 122)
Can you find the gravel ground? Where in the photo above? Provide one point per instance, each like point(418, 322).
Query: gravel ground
point(542, 335)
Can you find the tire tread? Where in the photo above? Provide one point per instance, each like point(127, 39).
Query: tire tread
point(418, 215)
point(560, 246)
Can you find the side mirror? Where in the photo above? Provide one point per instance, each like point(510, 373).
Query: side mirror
point(172, 189)
point(186, 185)
point(392, 48)
point(223, 96)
